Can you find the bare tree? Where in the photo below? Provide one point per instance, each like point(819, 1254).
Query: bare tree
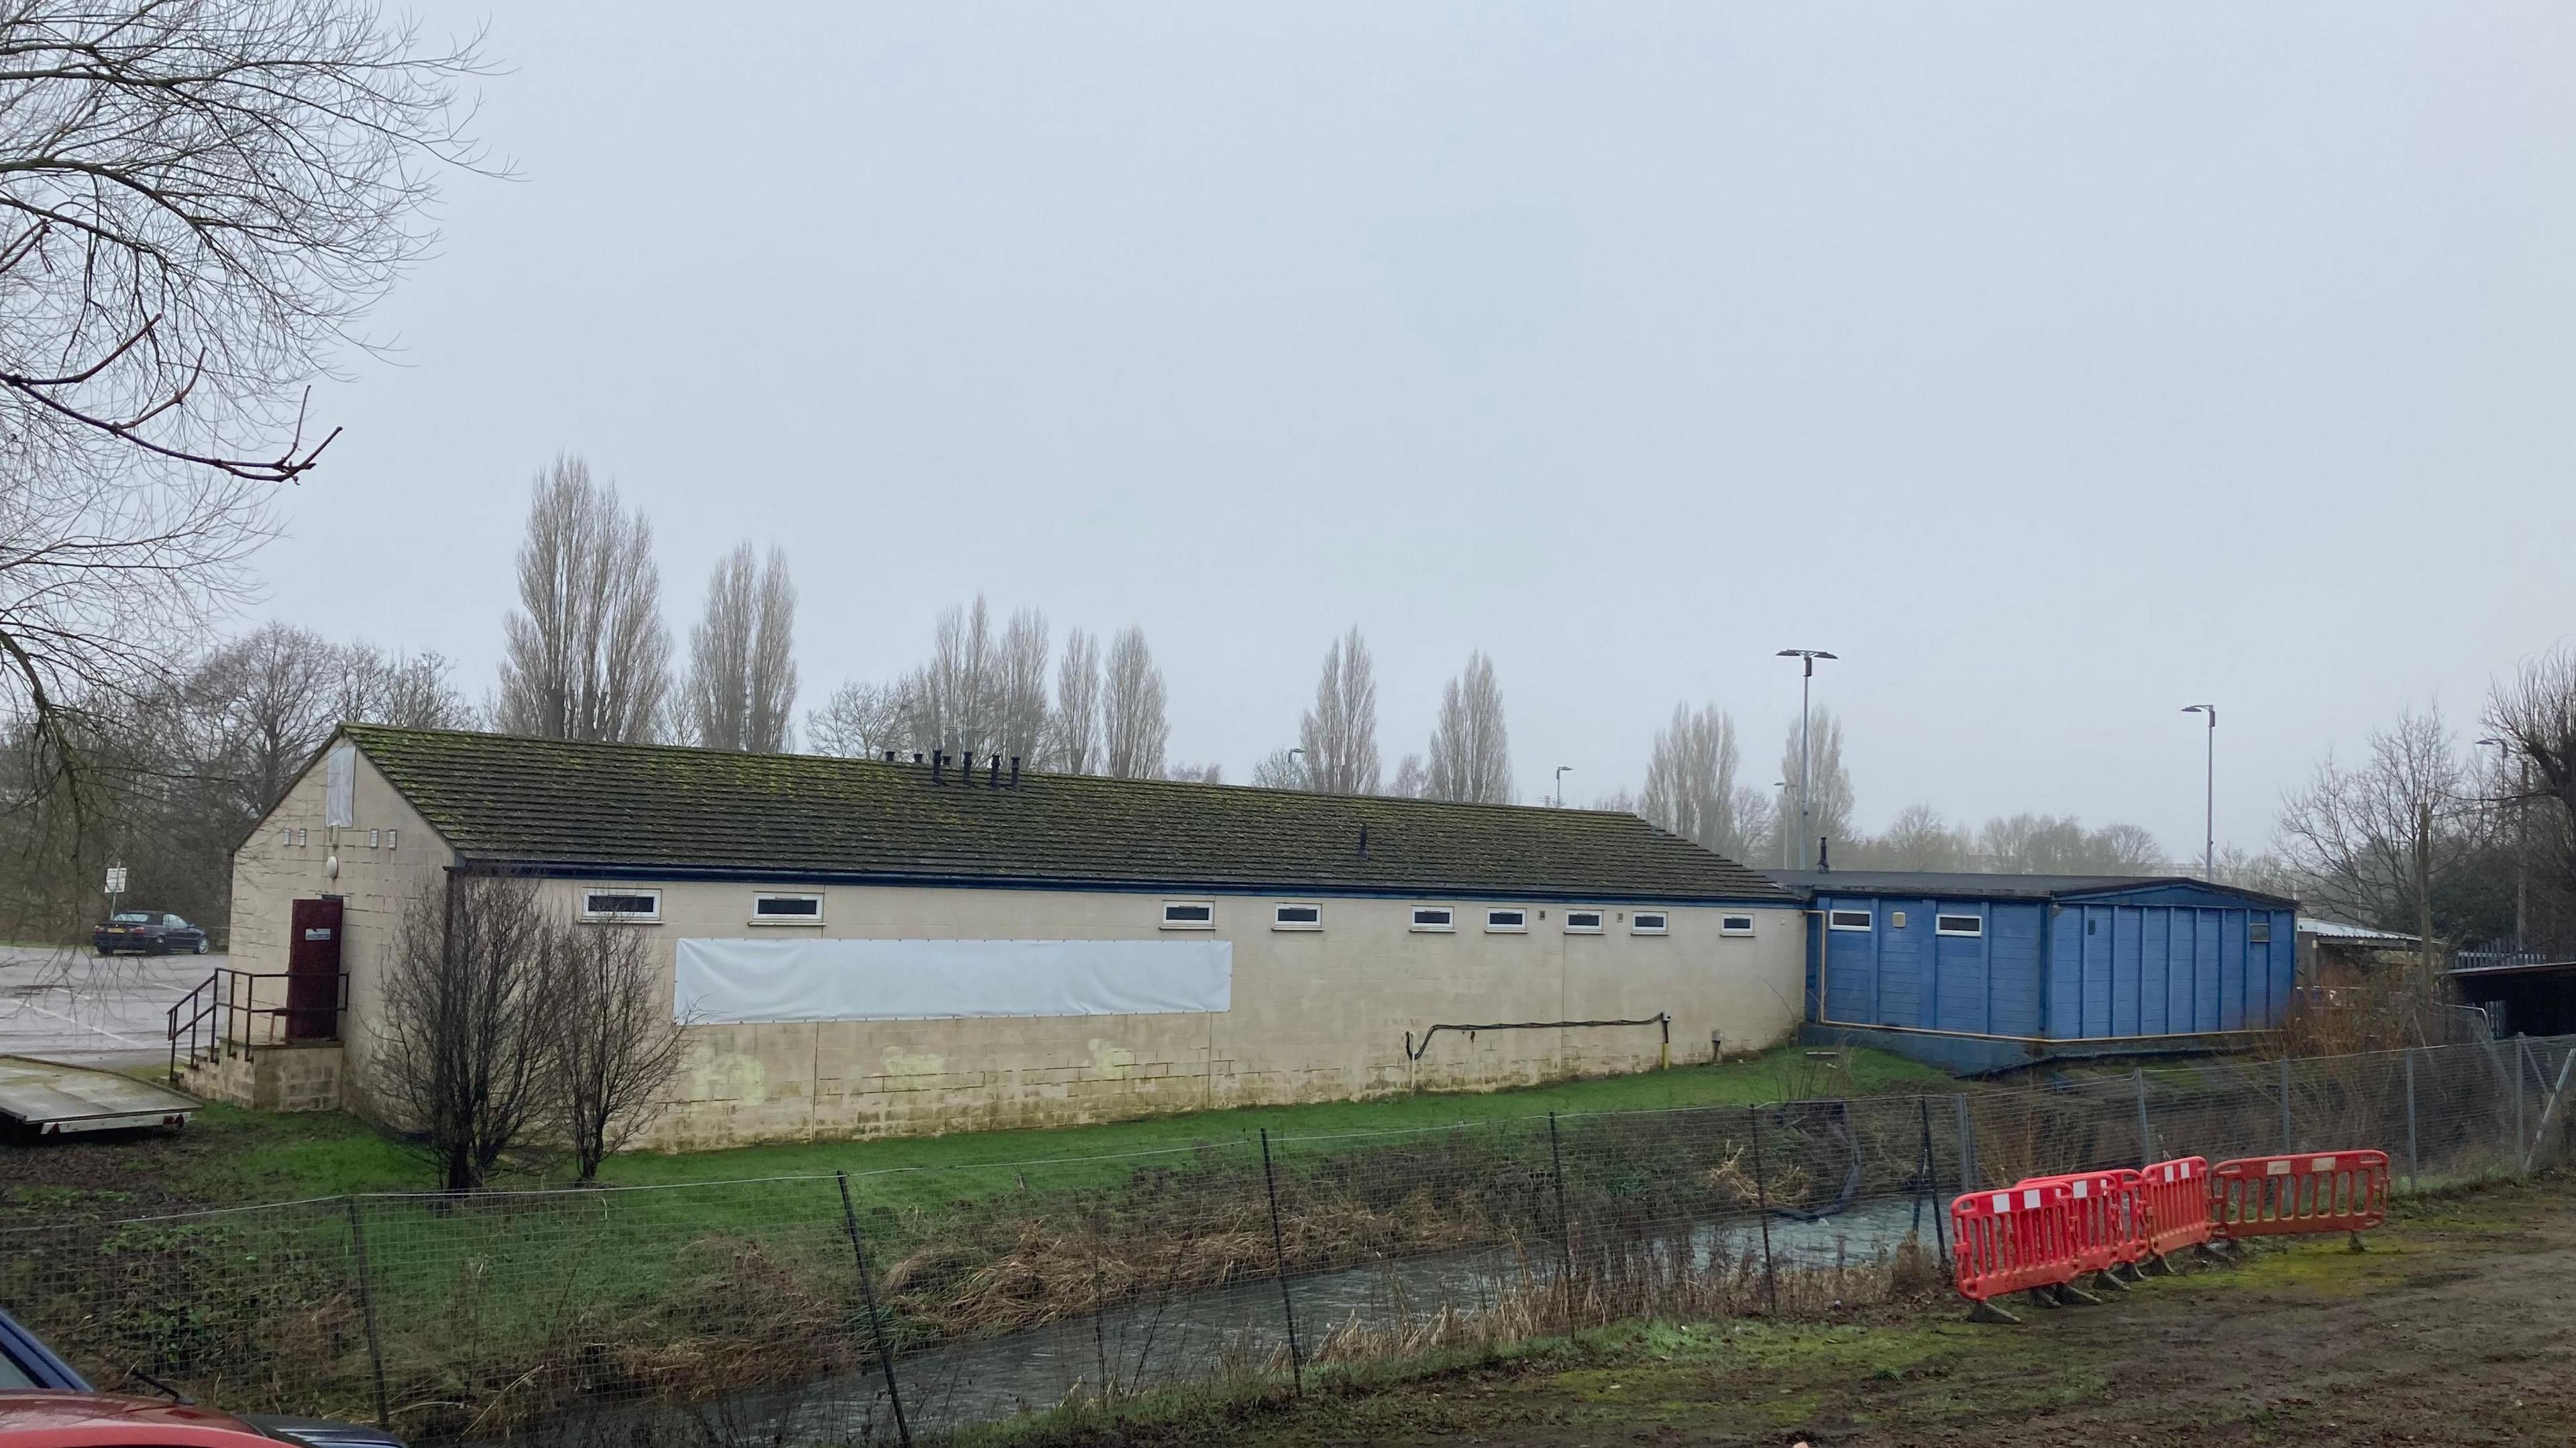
point(1412, 780)
point(1828, 809)
point(1281, 768)
point(1690, 781)
point(1074, 727)
point(1918, 839)
point(611, 1043)
point(1133, 731)
point(409, 691)
point(952, 698)
point(588, 658)
point(1019, 687)
point(263, 705)
point(860, 721)
point(461, 1045)
point(2363, 836)
point(2535, 714)
point(1195, 773)
point(1339, 734)
point(1471, 757)
point(1620, 801)
point(742, 663)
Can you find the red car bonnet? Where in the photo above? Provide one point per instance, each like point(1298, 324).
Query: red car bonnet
point(43, 1419)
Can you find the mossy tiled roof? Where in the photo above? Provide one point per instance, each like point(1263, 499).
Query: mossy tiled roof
point(643, 809)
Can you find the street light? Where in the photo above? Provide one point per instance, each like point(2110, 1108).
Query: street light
point(1299, 755)
point(2209, 793)
point(1781, 813)
point(1560, 784)
point(1806, 680)
point(2521, 883)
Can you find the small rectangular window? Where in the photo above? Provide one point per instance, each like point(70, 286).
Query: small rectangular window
point(1958, 925)
point(2258, 931)
point(1506, 922)
point(391, 836)
point(1298, 917)
point(1847, 920)
point(1649, 922)
point(1188, 915)
point(1582, 922)
point(1433, 917)
point(1735, 925)
point(299, 839)
point(375, 839)
point(786, 909)
point(621, 905)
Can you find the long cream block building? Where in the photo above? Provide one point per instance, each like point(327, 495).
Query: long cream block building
point(879, 947)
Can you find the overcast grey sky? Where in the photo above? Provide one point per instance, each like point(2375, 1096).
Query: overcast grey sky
point(2056, 366)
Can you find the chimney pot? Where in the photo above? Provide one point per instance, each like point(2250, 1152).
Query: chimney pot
point(1015, 771)
point(938, 762)
point(993, 776)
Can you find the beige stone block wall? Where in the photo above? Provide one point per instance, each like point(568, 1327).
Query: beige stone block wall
point(301, 1077)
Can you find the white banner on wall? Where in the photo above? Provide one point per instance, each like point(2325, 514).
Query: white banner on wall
point(734, 982)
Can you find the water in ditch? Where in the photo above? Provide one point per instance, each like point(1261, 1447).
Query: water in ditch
point(1198, 1336)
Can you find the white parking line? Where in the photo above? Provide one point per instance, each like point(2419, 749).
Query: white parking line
point(86, 1026)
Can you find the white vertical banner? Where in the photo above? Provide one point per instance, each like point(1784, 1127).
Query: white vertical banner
point(732, 982)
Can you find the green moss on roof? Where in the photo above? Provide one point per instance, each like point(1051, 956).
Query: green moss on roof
point(507, 799)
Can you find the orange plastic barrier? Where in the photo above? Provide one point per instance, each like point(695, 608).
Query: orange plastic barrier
point(2323, 1191)
point(2010, 1240)
point(2107, 1221)
point(2176, 1195)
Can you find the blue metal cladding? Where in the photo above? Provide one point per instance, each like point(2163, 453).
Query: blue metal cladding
point(2167, 961)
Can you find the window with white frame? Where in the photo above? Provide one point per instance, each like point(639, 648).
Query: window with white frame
point(1582, 922)
point(627, 905)
point(2258, 931)
point(786, 909)
point(1506, 922)
point(1435, 918)
point(1969, 925)
point(1735, 925)
point(1297, 915)
point(1649, 922)
point(1847, 920)
point(1188, 915)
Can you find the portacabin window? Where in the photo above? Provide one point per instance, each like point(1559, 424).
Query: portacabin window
point(1650, 922)
point(1968, 925)
point(631, 906)
point(1506, 922)
point(1847, 920)
point(2258, 931)
point(1735, 925)
point(786, 909)
point(1297, 915)
point(1188, 915)
point(1582, 922)
point(1434, 918)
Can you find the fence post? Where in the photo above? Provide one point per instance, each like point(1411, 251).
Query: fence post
point(1762, 1204)
point(367, 1310)
point(2146, 1132)
point(2521, 1068)
point(868, 1292)
point(2412, 1184)
point(1967, 1146)
point(1564, 1224)
point(2287, 1146)
point(1932, 1184)
point(1279, 1254)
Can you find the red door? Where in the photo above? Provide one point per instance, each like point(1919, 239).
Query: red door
point(313, 970)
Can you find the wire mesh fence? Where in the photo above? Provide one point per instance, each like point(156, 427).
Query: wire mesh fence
point(907, 1305)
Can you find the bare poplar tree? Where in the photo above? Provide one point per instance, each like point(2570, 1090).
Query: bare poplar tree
point(611, 1042)
point(2363, 835)
point(461, 1044)
point(953, 698)
point(742, 663)
point(860, 721)
point(588, 657)
point(1690, 780)
point(1020, 687)
point(1829, 808)
point(1133, 731)
point(1339, 734)
point(1471, 758)
point(1074, 727)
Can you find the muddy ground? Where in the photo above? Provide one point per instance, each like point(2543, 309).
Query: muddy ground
point(2457, 1327)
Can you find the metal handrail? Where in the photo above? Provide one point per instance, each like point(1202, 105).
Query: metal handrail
point(225, 1005)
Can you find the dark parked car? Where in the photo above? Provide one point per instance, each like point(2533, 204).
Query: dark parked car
point(44, 1403)
point(148, 932)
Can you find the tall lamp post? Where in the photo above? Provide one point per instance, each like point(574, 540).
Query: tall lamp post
point(2209, 792)
point(1782, 815)
point(1560, 784)
point(1806, 681)
point(1298, 758)
point(2521, 880)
